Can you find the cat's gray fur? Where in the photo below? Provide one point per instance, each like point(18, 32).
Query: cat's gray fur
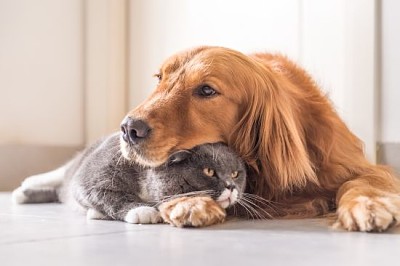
point(100, 178)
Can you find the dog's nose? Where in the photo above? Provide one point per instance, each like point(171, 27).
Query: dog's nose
point(134, 130)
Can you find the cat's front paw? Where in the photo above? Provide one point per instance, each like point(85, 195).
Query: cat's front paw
point(143, 215)
point(93, 214)
point(192, 211)
point(369, 213)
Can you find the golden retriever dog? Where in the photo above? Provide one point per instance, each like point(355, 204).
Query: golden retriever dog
point(301, 156)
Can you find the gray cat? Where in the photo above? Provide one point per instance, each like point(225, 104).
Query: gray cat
point(108, 186)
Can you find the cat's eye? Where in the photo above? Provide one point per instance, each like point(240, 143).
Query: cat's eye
point(234, 174)
point(208, 172)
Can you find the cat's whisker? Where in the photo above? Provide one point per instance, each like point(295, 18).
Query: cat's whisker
point(269, 203)
point(248, 211)
point(262, 214)
point(235, 210)
point(188, 194)
point(199, 192)
point(256, 212)
point(264, 203)
point(260, 210)
point(258, 198)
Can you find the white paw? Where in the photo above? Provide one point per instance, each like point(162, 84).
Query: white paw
point(18, 196)
point(93, 214)
point(143, 215)
point(369, 214)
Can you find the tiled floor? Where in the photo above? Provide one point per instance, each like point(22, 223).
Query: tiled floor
point(51, 234)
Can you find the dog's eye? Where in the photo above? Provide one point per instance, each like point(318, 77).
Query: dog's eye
point(208, 172)
point(158, 76)
point(206, 91)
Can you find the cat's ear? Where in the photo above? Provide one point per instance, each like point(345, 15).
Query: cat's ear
point(178, 157)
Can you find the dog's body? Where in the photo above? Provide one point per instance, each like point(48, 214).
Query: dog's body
point(300, 153)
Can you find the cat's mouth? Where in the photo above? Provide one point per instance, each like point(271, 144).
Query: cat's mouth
point(227, 198)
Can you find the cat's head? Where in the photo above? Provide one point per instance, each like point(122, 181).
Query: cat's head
point(214, 167)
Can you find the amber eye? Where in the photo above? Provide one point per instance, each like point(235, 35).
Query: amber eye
point(208, 172)
point(235, 174)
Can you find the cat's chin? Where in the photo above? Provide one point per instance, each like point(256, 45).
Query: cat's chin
point(227, 198)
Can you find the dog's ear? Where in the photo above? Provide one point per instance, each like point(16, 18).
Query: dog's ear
point(270, 138)
point(178, 157)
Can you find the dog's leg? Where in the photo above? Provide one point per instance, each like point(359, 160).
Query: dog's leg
point(40, 188)
point(192, 211)
point(369, 202)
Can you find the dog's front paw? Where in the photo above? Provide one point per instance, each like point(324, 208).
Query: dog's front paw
point(192, 211)
point(143, 215)
point(369, 214)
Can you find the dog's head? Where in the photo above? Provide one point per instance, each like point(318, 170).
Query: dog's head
point(197, 100)
point(214, 94)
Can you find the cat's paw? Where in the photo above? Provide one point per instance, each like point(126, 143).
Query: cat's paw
point(93, 214)
point(143, 215)
point(369, 214)
point(18, 196)
point(192, 211)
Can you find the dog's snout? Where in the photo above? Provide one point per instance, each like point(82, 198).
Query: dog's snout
point(134, 130)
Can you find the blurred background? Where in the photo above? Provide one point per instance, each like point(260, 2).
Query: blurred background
point(71, 69)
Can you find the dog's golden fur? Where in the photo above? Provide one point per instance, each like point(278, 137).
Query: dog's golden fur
point(298, 150)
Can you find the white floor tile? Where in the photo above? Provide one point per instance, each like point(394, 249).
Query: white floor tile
point(51, 234)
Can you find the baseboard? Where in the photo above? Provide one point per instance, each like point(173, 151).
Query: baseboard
point(19, 161)
point(389, 154)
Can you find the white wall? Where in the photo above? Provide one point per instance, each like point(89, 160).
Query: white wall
point(390, 92)
point(160, 28)
point(106, 58)
point(63, 69)
point(41, 72)
point(339, 44)
point(334, 40)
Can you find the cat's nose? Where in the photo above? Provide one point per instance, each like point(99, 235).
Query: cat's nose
point(230, 186)
point(134, 130)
